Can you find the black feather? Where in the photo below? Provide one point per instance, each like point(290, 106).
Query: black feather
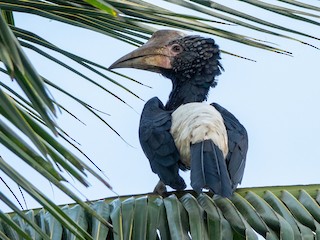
point(209, 169)
point(237, 145)
point(158, 144)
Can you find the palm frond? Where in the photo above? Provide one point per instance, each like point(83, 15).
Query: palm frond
point(282, 212)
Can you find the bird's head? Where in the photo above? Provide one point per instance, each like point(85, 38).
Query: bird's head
point(175, 55)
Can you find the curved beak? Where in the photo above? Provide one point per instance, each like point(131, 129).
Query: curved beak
point(153, 56)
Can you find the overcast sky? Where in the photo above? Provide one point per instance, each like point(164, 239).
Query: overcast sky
point(275, 98)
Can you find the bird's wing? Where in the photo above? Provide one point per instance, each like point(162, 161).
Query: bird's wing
point(237, 144)
point(158, 144)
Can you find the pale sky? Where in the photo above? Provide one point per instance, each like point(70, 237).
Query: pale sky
point(275, 98)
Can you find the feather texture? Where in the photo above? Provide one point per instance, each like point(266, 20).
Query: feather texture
point(158, 144)
point(209, 169)
point(237, 145)
point(196, 122)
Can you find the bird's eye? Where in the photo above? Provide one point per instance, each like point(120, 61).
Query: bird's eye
point(176, 48)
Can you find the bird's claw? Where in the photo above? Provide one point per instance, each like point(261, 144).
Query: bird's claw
point(160, 188)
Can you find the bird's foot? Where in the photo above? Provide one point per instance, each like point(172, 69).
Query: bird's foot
point(160, 188)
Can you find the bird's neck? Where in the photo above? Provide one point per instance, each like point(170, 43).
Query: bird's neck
point(188, 90)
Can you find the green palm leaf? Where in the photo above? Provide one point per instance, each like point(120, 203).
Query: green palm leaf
point(282, 212)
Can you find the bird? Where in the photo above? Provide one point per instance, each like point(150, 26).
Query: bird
point(187, 133)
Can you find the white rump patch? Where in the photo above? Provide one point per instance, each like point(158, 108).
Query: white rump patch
point(196, 122)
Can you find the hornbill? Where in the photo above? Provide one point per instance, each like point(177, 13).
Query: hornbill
point(187, 133)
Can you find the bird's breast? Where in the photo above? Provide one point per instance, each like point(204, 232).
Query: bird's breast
point(196, 122)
